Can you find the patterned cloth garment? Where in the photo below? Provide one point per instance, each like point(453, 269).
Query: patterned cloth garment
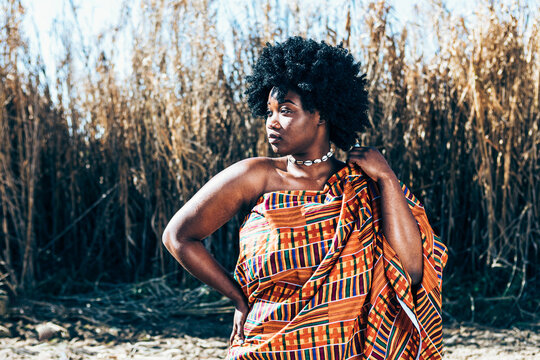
point(323, 283)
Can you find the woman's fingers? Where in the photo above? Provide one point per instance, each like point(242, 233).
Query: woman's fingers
point(238, 326)
point(370, 160)
point(233, 334)
point(356, 155)
point(240, 319)
point(357, 152)
point(240, 332)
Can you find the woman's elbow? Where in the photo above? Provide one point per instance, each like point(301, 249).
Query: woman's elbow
point(169, 239)
point(175, 243)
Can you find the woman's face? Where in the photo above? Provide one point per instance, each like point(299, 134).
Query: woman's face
point(289, 128)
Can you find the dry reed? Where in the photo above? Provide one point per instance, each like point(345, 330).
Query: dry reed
point(89, 181)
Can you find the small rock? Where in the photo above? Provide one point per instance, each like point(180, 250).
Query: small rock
point(212, 344)
point(4, 301)
point(4, 332)
point(49, 330)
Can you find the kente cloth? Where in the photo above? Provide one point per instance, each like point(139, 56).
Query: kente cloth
point(323, 282)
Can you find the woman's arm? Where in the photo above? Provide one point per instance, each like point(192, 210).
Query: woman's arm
point(211, 207)
point(399, 225)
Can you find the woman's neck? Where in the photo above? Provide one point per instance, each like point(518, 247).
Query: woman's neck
point(318, 173)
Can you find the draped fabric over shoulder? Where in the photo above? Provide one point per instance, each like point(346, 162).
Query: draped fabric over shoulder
point(323, 283)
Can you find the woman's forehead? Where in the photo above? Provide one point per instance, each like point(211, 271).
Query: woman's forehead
point(289, 96)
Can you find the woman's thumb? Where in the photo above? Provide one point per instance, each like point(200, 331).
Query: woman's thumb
point(240, 331)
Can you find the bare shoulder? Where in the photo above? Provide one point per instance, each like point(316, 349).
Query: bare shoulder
point(247, 179)
point(259, 173)
point(253, 166)
point(221, 198)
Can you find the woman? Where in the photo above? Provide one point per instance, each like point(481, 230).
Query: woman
point(337, 261)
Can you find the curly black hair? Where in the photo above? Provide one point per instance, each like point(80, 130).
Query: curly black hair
point(326, 78)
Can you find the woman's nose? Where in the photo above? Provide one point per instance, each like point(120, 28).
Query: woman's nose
point(272, 122)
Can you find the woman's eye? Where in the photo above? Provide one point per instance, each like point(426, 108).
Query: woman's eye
point(285, 111)
point(268, 113)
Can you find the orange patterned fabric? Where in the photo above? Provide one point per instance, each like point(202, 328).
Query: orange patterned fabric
point(323, 283)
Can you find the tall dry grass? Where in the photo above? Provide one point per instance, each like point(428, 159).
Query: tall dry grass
point(89, 180)
point(462, 128)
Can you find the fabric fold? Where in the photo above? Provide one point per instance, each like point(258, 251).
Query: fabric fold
point(323, 283)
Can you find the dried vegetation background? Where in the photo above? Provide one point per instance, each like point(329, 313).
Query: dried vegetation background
point(95, 158)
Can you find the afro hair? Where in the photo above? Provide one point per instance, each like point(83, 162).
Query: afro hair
point(326, 78)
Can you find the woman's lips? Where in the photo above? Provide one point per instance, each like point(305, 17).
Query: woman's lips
point(273, 138)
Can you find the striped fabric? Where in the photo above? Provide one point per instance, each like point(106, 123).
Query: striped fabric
point(323, 283)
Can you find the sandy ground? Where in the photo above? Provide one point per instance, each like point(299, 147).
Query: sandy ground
point(187, 339)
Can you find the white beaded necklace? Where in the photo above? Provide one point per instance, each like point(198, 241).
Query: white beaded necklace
point(328, 155)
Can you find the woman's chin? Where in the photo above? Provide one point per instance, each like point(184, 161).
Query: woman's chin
point(276, 149)
point(280, 149)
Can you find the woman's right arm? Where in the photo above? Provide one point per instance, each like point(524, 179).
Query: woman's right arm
point(210, 208)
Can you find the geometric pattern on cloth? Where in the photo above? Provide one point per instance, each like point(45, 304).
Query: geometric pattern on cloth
point(323, 283)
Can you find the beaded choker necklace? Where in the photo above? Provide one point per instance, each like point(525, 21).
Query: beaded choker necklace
point(328, 155)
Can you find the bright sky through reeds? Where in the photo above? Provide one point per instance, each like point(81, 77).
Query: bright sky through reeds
point(98, 17)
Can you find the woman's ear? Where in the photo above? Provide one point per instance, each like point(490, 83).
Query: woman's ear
point(320, 120)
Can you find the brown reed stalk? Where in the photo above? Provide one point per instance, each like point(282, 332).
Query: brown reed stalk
point(89, 180)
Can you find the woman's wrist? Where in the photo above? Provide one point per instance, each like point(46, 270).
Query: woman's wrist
point(386, 177)
point(241, 303)
point(239, 299)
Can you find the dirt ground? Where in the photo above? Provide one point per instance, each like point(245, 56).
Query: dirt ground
point(206, 338)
